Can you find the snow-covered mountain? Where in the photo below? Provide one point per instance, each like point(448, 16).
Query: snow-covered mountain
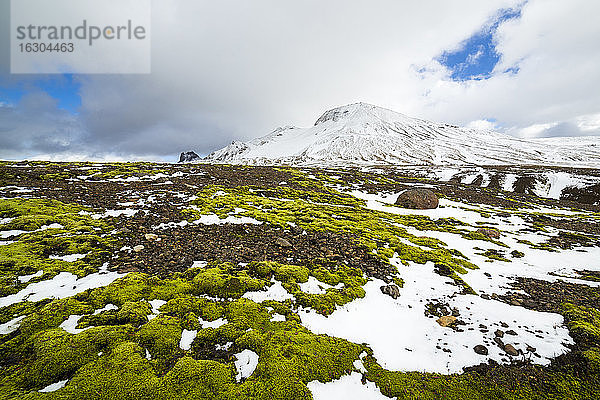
point(366, 134)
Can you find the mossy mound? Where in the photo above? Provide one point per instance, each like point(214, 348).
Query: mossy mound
point(129, 351)
point(51, 229)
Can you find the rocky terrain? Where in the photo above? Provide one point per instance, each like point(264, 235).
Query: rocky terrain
point(220, 281)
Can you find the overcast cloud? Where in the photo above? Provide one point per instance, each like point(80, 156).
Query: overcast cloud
point(233, 70)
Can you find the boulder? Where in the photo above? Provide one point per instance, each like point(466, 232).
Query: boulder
point(418, 199)
point(391, 290)
point(446, 320)
point(510, 349)
point(480, 349)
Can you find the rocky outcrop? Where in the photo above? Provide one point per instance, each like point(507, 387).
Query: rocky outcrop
point(585, 195)
point(188, 156)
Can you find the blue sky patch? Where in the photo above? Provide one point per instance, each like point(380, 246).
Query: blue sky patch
point(64, 88)
point(476, 57)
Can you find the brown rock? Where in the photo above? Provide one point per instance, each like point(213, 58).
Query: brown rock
point(489, 232)
point(510, 349)
point(419, 199)
point(480, 349)
point(446, 320)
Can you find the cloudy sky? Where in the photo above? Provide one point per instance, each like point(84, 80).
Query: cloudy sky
point(234, 70)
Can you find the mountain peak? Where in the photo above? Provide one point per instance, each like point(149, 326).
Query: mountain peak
point(361, 111)
point(365, 134)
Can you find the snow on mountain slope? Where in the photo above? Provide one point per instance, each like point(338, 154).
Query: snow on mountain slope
point(365, 134)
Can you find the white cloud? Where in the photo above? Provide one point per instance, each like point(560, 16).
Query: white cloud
point(482, 124)
point(472, 58)
point(589, 123)
point(554, 44)
point(234, 70)
point(230, 70)
point(536, 130)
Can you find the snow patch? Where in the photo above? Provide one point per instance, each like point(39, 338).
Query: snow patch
point(11, 326)
point(62, 285)
point(275, 292)
point(187, 337)
point(347, 387)
point(54, 386)
point(246, 363)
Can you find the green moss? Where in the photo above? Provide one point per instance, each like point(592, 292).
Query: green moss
point(76, 233)
point(494, 383)
point(53, 314)
point(198, 379)
point(108, 360)
point(222, 281)
point(326, 303)
point(583, 322)
point(123, 373)
point(161, 337)
point(203, 308)
point(496, 255)
point(58, 172)
point(134, 313)
point(593, 357)
point(292, 273)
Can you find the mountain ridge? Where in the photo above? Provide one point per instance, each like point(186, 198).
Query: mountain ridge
point(361, 133)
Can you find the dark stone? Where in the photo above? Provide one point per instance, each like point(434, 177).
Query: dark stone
point(481, 349)
point(391, 290)
point(419, 199)
point(511, 332)
point(499, 333)
point(489, 232)
point(188, 156)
